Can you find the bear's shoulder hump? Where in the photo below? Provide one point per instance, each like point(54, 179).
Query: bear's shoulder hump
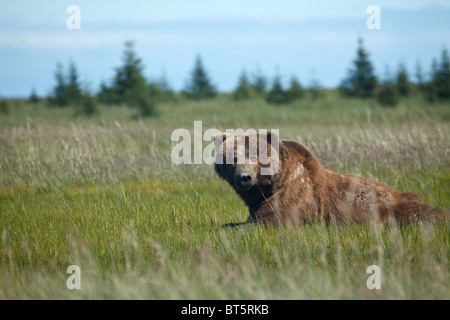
point(298, 148)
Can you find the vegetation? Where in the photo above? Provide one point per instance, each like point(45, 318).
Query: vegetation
point(295, 90)
point(103, 194)
point(259, 83)
point(402, 82)
point(363, 83)
point(244, 90)
point(100, 190)
point(68, 92)
point(361, 80)
point(4, 108)
point(277, 94)
point(199, 85)
point(129, 86)
point(161, 91)
point(34, 98)
point(386, 94)
point(440, 79)
point(68, 89)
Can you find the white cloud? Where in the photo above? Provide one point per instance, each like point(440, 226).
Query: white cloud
point(31, 39)
point(240, 38)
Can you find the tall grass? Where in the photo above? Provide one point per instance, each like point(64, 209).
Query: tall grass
point(102, 193)
point(144, 241)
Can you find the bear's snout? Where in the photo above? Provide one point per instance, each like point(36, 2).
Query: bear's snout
point(245, 177)
point(243, 181)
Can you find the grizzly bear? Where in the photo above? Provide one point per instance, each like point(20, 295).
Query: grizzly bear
point(299, 189)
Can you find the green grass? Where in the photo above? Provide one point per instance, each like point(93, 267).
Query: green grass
point(103, 194)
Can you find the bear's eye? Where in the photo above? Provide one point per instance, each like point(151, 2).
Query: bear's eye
point(235, 160)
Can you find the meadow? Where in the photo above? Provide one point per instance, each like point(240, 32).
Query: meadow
point(102, 193)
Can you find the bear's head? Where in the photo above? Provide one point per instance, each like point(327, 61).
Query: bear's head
point(246, 162)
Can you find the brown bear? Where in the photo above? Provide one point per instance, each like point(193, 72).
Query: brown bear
point(296, 189)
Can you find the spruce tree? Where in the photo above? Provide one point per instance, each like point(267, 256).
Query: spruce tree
point(88, 106)
point(443, 80)
point(129, 85)
point(34, 98)
point(315, 89)
point(259, 83)
point(67, 90)
point(386, 93)
point(361, 80)
point(295, 90)
point(420, 78)
point(402, 81)
point(199, 85)
point(4, 108)
point(130, 81)
point(243, 90)
point(59, 96)
point(161, 91)
point(73, 88)
point(432, 86)
point(277, 95)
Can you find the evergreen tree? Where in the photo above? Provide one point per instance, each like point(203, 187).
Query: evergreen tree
point(146, 105)
point(130, 82)
point(259, 83)
point(277, 95)
point(315, 89)
point(107, 94)
point(88, 106)
point(431, 88)
point(34, 98)
point(402, 81)
point(442, 80)
point(386, 93)
point(420, 78)
point(59, 96)
point(243, 90)
point(73, 88)
point(295, 90)
point(67, 90)
point(361, 80)
point(161, 91)
point(4, 108)
point(199, 86)
point(129, 85)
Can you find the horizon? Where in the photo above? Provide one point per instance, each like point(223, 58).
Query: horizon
point(314, 42)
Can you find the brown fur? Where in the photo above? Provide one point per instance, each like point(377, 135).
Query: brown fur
point(302, 190)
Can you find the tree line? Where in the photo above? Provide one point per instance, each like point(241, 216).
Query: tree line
point(361, 81)
point(129, 86)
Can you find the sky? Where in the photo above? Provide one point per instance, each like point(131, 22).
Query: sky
point(314, 41)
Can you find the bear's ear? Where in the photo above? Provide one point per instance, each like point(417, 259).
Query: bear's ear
point(220, 138)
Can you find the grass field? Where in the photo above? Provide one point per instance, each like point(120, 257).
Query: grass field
point(103, 194)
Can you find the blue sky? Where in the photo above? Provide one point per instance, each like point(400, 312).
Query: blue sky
point(309, 40)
